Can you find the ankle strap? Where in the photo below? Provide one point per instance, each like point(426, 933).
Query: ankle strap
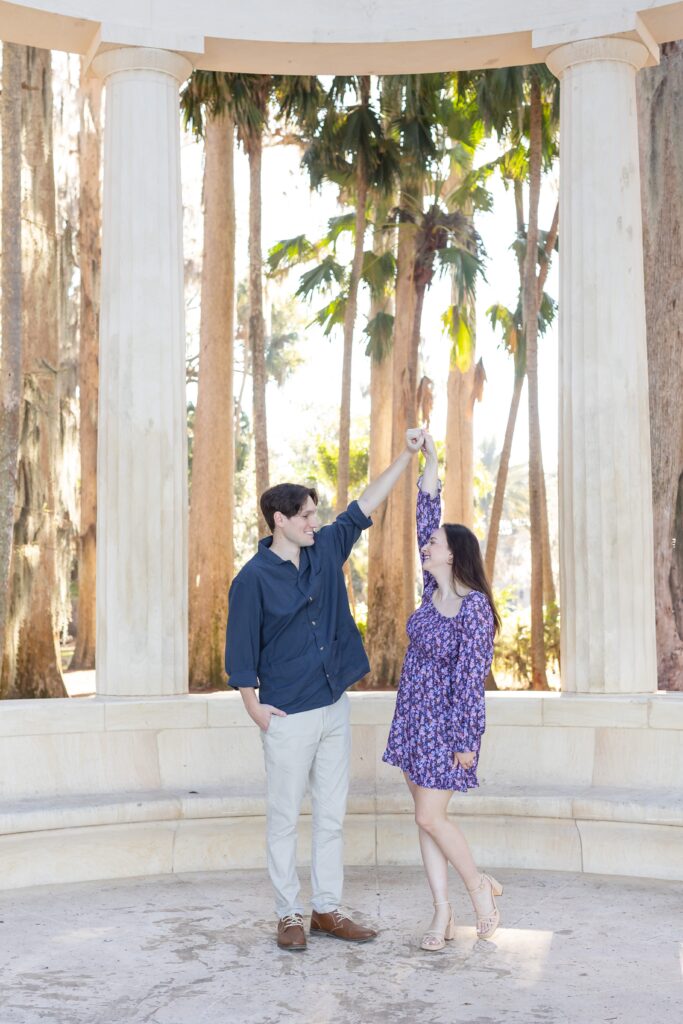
point(442, 903)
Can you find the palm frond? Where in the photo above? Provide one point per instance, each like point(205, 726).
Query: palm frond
point(380, 334)
point(327, 273)
point(289, 253)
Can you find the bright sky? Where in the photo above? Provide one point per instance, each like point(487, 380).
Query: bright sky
point(310, 400)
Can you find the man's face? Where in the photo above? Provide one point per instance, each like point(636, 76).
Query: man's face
point(300, 529)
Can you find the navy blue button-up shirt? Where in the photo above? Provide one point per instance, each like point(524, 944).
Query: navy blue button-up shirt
point(290, 631)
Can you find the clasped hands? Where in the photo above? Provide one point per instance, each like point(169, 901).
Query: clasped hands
point(419, 439)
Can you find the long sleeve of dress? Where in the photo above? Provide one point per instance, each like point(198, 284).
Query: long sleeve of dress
point(472, 667)
point(428, 515)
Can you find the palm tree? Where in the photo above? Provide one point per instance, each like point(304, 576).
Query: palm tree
point(416, 104)
point(464, 189)
point(206, 104)
point(444, 240)
point(514, 340)
point(251, 96)
point(90, 215)
point(349, 148)
point(530, 307)
point(10, 368)
point(384, 626)
point(522, 103)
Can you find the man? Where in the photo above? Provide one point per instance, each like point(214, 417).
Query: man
point(290, 634)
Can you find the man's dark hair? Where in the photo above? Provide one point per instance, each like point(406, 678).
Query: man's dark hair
point(286, 498)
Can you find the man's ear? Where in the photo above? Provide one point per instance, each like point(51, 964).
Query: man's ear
point(278, 518)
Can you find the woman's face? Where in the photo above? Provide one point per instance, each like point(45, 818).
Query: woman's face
point(436, 552)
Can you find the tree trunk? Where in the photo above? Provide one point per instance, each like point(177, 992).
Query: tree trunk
point(90, 218)
point(399, 521)
point(385, 627)
point(660, 99)
point(402, 499)
point(343, 467)
point(458, 498)
point(211, 559)
point(10, 366)
point(459, 486)
point(33, 668)
point(257, 343)
point(549, 594)
point(501, 479)
point(530, 303)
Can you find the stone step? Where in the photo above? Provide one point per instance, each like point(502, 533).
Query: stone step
point(662, 807)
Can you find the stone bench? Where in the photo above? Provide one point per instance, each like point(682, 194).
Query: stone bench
point(99, 789)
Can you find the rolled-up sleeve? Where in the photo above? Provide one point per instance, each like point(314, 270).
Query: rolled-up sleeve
point(345, 530)
point(243, 634)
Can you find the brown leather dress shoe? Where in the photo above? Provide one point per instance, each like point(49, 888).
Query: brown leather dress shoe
point(337, 926)
point(290, 932)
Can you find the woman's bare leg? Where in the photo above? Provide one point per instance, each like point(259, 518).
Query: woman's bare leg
point(431, 815)
point(436, 869)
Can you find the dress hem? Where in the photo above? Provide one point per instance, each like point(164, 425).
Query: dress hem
point(444, 789)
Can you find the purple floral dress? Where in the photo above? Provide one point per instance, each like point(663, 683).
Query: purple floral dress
point(440, 699)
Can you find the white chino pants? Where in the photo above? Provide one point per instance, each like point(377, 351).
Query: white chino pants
point(311, 748)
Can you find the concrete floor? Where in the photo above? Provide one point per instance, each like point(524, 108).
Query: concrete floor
point(199, 949)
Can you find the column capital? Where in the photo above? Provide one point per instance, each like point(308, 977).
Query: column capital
point(141, 58)
point(605, 48)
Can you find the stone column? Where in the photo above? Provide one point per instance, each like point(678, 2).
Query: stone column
point(606, 553)
point(142, 443)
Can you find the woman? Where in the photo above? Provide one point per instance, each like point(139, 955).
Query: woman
point(439, 718)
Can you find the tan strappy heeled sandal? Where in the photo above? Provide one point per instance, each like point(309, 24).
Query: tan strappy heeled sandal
point(434, 940)
point(487, 925)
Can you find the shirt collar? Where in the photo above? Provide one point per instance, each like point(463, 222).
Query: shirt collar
point(269, 557)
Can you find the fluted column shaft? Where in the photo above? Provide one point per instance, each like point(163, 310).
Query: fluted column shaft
point(606, 548)
point(142, 444)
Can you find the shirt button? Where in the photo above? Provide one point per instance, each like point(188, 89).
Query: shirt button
point(314, 623)
point(322, 648)
point(310, 600)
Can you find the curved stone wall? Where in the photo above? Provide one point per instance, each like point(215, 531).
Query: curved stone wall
point(104, 788)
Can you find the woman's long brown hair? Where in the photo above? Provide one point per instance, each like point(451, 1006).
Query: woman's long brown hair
point(468, 565)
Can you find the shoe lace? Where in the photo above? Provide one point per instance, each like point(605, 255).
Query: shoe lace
point(292, 920)
point(340, 914)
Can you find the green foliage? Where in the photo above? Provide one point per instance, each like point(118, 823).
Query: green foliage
point(282, 358)
point(513, 643)
point(483, 486)
point(300, 101)
point(512, 326)
point(332, 314)
point(327, 273)
point(350, 140)
point(289, 253)
point(191, 410)
point(206, 93)
point(456, 325)
point(327, 461)
point(345, 223)
point(242, 442)
point(379, 272)
point(380, 332)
